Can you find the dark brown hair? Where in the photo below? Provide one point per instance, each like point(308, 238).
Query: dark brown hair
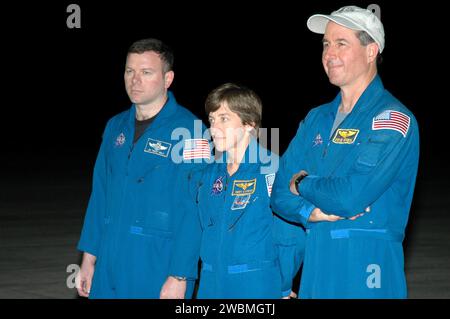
point(240, 100)
point(157, 46)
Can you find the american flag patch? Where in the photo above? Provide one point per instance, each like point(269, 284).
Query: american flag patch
point(196, 148)
point(270, 178)
point(392, 120)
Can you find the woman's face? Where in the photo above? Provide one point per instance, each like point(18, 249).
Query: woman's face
point(227, 129)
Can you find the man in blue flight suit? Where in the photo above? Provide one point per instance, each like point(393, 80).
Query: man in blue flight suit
point(130, 238)
point(349, 173)
point(246, 251)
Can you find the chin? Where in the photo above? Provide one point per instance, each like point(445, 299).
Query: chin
point(133, 99)
point(335, 81)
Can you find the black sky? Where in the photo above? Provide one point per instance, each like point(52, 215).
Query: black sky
point(61, 85)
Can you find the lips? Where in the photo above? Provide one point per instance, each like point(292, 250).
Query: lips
point(334, 64)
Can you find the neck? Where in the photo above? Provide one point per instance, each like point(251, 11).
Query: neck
point(235, 155)
point(146, 111)
point(351, 93)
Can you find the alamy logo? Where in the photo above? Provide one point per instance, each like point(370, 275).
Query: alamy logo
point(74, 18)
point(73, 270)
point(374, 279)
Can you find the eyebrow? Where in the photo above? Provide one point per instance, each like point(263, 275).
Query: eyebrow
point(221, 114)
point(337, 40)
point(145, 69)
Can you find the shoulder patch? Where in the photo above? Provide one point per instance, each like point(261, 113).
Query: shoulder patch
point(270, 178)
point(120, 140)
point(196, 148)
point(392, 120)
point(318, 140)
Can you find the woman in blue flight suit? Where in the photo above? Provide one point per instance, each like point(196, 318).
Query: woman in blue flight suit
point(246, 251)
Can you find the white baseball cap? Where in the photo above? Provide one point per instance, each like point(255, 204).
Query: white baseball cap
point(351, 17)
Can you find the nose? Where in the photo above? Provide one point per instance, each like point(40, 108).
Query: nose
point(329, 52)
point(214, 130)
point(136, 78)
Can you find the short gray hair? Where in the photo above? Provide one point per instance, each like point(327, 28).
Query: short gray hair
point(365, 39)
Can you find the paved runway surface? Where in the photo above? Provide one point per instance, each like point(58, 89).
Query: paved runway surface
point(42, 209)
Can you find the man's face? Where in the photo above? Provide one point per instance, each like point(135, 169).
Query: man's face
point(145, 80)
point(344, 59)
point(227, 129)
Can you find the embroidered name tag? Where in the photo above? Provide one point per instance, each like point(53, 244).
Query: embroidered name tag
point(247, 187)
point(157, 147)
point(345, 136)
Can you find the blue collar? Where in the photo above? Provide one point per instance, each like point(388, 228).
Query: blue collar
point(168, 110)
point(365, 101)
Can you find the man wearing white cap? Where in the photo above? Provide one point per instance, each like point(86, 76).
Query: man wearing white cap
point(349, 173)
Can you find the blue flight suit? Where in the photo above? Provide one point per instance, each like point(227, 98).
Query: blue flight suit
point(246, 251)
point(135, 212)
point(371, 160)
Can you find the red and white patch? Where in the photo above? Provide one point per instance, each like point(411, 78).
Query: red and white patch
point(392, 120)
point(196, 148)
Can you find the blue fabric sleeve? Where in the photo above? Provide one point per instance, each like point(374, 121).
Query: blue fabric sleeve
point(186, 246)
point(284, 203)
point(187, 240)
point(375, 167)
point(290, 243)
point(94, 219)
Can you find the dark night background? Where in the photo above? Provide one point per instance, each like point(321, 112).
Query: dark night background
point(61, 85)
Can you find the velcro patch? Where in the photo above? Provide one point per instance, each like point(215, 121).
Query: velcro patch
point(345, 136)
point(392, 120)
point(157, 147)
point(244, 187)
point(196, 148)
point(270, 178)
point(240, 202)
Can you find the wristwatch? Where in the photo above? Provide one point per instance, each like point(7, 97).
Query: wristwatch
point(298, 180)
point(179, 278)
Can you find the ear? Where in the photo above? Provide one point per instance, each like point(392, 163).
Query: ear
point(168, 78)
point(372, 52)
point(249, 127)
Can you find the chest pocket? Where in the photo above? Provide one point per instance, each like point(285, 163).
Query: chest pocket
point(210, 206)
point(370, 153)
point(117, 159)
point(245, 209)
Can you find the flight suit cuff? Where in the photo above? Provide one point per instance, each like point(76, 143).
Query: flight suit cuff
point(286, 293)
point(83, 247)
point(306, 211)
point(182, 272)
